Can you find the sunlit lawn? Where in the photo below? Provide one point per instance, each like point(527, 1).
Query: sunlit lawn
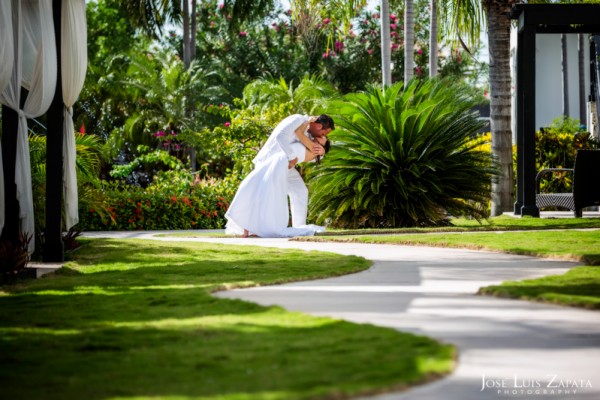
point(135, 319)
point(579, 287)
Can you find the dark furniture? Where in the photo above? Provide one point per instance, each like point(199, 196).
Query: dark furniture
point(586, 184)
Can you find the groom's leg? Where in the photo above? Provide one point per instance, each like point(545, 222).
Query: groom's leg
point(298, 198)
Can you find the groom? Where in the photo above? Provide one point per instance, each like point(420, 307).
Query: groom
point(280, 140)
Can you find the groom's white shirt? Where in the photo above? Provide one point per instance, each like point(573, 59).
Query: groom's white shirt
point(281, 139)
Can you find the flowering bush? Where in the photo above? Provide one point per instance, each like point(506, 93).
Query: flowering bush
point(556, 147)
point(198, 204)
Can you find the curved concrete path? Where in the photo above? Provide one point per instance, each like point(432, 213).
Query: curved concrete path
point(507, 348)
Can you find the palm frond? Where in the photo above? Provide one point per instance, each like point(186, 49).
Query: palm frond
point(400, 159)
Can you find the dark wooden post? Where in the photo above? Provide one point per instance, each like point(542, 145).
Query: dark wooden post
point(10, 121)
point(519, 117)
point(53, 246)
point(528, 117)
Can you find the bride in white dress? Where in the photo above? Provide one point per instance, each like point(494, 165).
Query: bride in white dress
point(260, 206)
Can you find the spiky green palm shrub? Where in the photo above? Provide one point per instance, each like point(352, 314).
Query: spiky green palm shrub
point(401, 158)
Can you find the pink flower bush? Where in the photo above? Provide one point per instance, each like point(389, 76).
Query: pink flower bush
point(243, 34)
point(227, 124)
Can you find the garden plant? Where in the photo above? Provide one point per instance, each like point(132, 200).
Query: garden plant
point(402, 157)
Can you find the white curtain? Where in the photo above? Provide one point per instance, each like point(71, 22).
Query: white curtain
point(74, 67)
point(34, 41)
point(6, 68)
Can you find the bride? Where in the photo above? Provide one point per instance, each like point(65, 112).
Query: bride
point(260, 206)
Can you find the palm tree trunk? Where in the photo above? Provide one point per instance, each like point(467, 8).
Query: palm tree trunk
point(386, 45)
point(186, 33)
point(409, 40)
point(194, 29)
point(500, 104)
point(433, 36)
point(565, 75)
point(581, 63)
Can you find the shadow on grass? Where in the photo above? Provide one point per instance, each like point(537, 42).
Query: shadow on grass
point(243, 359)
point(131, 320)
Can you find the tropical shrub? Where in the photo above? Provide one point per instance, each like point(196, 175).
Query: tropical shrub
point(264, 104)
point(175, 201)
point(402, 158)
point(556, 147)
point(87, 165)
point(14, 256)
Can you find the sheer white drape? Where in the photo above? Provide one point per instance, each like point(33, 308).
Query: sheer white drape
point(74, 67)
point(6, 68)
point(34, 40)
point(11, 95)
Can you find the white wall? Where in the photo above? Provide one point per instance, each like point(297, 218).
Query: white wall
point(548, 78)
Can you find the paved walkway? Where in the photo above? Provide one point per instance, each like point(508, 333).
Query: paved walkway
point(507, 348)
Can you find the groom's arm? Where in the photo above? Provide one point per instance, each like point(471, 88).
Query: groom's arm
point(311, 146)
point(285, 132)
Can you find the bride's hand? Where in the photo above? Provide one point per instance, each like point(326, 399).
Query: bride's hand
point(292, 163)
point(318, 150)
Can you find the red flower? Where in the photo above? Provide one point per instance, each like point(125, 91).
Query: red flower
point(174, 199)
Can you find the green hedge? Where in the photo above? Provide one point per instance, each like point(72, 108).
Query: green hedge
point(135, 208)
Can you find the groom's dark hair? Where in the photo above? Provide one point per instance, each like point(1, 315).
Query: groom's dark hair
point(326, 121)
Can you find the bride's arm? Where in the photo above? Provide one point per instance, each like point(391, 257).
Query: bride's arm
point(309, 156)
point(302, 137)
point(311, 147)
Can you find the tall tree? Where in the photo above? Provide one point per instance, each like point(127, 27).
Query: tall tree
point(581, 64)
point(409, 40)
point(564, 61)
point(468, 17)
point(500, 103)
point(433, 38)
point(386, 45)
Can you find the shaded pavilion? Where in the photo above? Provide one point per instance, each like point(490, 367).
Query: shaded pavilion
point(533, 19)
point(43, 49)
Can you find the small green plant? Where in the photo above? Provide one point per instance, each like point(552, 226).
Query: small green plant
point(14, 255)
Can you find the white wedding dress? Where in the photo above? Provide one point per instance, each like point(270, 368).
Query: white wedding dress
point(261, 204)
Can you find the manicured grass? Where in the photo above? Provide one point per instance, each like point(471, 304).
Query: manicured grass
point(501, 223)
point(573, 245)
point(135, 319)
point(579, 287)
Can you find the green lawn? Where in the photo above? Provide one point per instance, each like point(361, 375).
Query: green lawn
point(135, 319)
point(579, 287)
point(502, 223)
